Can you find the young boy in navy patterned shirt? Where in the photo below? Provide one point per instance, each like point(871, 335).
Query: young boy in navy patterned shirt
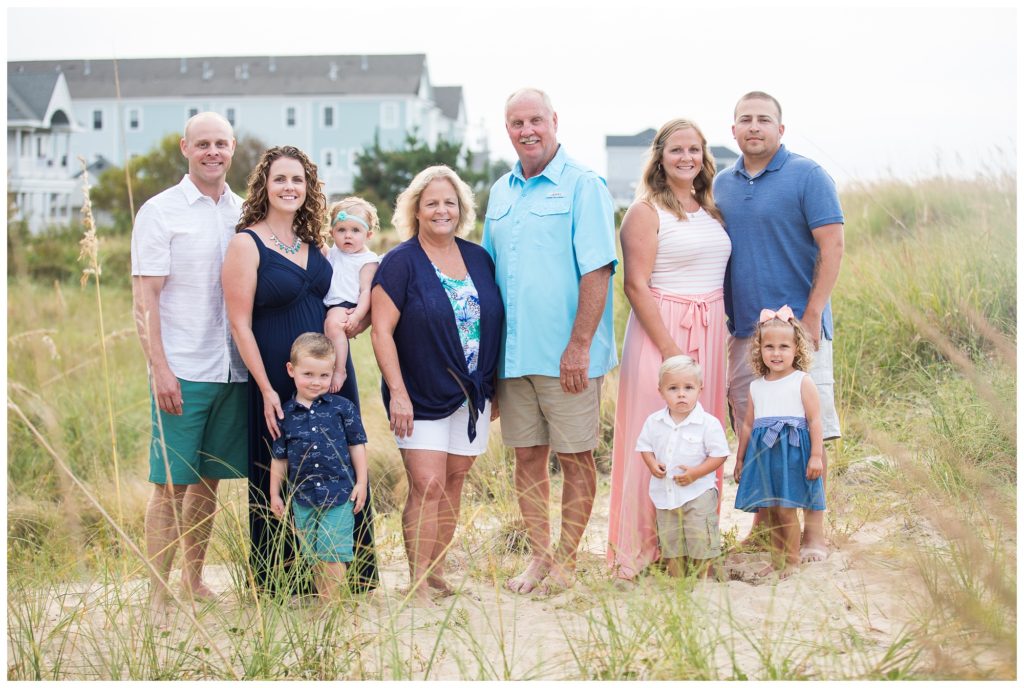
point(322, 450)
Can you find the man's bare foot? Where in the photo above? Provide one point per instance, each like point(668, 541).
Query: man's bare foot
point(559, 579)
point(337, 381)
point(200, 593)
point(420, 597)
point(528, 580)
point(439, 585)
point(159, 613)
point(810, 553)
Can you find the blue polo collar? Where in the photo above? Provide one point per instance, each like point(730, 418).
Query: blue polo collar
point(775, 164)
point(553, 171)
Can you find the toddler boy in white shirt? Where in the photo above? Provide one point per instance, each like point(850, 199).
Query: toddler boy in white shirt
point(683, 447)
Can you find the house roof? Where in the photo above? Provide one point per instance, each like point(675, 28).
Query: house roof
point(449, 99)
point(29, 95)
point(644, 138)
point(235, 76)
point(724, 153)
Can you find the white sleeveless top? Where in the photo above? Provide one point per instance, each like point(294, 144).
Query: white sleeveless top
point(691, 254)
point(778, 397)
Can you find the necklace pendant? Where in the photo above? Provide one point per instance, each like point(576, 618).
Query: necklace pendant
point(290, 250)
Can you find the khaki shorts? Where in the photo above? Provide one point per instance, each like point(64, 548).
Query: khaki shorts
point(691, 530)
point(535, 411)
point(741, 375)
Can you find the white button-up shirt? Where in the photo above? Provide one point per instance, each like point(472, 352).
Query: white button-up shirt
point(182, 235)
point(688, 444)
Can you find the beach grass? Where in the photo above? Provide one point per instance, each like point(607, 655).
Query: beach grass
point(926, 387)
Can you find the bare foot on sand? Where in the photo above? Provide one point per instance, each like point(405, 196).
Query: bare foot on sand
point(768, 570)
point(788, 571)
point(559, 579)
point(420, 597)
point(528, 580)
point(810, 553)
point(159, 613)
point(439, 585)
point(200, 593)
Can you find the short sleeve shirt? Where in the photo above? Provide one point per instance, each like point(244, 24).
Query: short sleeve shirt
point(182, 235)
point(315, 443)
point(685, 444)
point(544, 234)
point(769, 218)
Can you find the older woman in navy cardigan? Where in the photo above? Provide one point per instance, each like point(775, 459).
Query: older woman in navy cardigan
point(437, 321)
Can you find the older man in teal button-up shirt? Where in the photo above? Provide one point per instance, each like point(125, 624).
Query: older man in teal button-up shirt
point(550, 229)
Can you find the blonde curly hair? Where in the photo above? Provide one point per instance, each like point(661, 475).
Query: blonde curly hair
point(803, 355)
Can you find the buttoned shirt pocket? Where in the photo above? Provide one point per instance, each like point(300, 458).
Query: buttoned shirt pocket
point(551, 224)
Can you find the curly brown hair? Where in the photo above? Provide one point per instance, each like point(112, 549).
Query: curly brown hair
point(803, 355)
point(309, 220)
point(653, 187)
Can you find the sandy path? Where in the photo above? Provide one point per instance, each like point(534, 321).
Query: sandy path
point(847, 605)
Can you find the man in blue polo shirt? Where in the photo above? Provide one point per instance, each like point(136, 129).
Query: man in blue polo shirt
point(783, 216)
point(550, 229)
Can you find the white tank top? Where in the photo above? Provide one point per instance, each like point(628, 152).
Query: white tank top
point(778, 397)
point(691, 254)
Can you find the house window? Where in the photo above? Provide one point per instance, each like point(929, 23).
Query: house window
point(134, 119)
point(389, 115)
point(329, 116)
point(289, 117)
point(192, 112)
point(328, 158)
point(97, 119)
point(229, 115)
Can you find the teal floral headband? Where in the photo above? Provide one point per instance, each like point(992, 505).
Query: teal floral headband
point(342, 216)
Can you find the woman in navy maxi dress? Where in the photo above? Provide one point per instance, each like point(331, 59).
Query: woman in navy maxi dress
point(288, 301)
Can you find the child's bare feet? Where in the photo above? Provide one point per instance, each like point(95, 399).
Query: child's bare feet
point(528, 580)
point(337, 380)
point(768, 570)
point(788, 571)
point(810, 553)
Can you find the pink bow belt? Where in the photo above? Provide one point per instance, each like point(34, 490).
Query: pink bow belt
point(695, 319)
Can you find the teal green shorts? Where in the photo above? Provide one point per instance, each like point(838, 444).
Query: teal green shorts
point(326, 533)
point(210, 439)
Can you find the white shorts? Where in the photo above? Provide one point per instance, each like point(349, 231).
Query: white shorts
point(449, 434)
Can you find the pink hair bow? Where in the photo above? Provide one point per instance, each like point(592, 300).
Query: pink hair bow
point(783, 314)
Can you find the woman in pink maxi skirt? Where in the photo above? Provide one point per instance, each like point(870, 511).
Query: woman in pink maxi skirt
point(674, 252)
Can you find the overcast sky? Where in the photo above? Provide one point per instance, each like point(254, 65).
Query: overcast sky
point(867, 92)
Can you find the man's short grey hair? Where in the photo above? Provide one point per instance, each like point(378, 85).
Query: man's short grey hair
point(207, 115)
point(529, 91)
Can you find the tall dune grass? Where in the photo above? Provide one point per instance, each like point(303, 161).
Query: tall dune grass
point(926, 382)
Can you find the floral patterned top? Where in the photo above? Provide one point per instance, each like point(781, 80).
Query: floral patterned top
point(466, 304)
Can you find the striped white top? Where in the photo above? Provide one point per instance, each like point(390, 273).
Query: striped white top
point(691, 254)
